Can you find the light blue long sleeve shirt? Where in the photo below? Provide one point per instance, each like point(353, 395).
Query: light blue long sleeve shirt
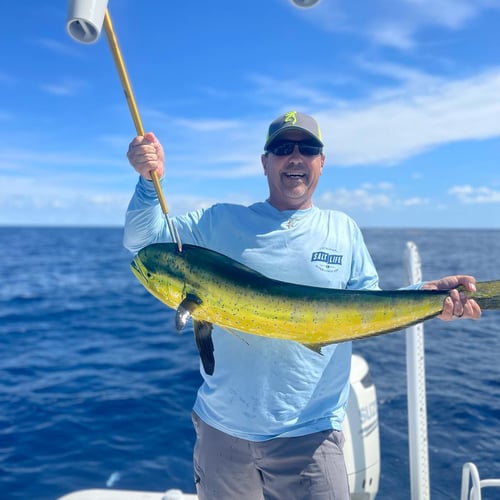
point(264, 388)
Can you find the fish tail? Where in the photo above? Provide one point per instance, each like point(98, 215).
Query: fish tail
point(488, 294)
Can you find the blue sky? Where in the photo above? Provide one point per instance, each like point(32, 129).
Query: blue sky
point(407, 93)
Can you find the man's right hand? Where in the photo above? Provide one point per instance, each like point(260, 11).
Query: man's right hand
point(145, 154)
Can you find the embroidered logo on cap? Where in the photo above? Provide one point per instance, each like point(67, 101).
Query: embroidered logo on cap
point(291, 116)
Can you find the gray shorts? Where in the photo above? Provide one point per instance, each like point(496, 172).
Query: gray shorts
point(308, 467)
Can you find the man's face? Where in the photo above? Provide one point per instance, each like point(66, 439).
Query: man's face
point(292, 178)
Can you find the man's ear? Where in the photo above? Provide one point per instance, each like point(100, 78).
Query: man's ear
point(263, 159)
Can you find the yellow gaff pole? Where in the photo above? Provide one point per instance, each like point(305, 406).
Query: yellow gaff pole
point(129, 95)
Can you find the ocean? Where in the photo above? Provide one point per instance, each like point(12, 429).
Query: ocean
point(96, 387)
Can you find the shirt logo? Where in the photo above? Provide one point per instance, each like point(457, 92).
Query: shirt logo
point(327, 258)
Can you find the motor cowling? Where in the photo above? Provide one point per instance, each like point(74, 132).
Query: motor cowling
point(361, 431)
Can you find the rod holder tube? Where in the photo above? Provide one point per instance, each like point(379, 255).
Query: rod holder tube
point(85, 18)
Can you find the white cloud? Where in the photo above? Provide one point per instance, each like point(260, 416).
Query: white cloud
point(35, 201)
point(369, 197)
point(475, 195)
point(208, 125)
point(393, 35)
point(415, 201)
point(447, 13)
point(66, 87)
point(66, 48)
point(394, 128)
point(398, 24)
point(361, 199)
point(31, 161)
point(382, 186)
point(419, 113)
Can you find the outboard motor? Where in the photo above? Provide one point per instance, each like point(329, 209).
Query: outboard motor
point(361, 431)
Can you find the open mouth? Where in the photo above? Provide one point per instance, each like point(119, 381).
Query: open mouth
point(294, 175)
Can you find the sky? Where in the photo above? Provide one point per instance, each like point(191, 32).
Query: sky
point(407, 94)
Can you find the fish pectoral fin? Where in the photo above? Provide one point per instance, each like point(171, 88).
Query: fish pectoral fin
point(185, 310)
point(203, 337)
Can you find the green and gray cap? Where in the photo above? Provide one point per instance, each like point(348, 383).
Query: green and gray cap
point(293, 120)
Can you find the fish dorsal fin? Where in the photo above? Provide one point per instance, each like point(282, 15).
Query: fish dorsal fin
point(185, 310)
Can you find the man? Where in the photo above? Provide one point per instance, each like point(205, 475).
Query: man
point(268, 420)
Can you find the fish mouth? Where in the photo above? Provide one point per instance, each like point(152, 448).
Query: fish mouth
point(139, 270)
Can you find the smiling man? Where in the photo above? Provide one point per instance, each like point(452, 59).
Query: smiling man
point(268, 416)
point(293, 160)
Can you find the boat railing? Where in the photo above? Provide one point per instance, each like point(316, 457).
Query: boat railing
point(472, 485)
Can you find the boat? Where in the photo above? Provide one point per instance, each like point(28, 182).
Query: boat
point(361, 429)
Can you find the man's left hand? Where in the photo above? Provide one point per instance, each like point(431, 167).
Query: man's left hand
point(457, 304)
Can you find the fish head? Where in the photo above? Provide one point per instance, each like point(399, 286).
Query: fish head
point(161, 270)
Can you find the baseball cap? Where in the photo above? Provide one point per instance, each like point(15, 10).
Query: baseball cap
point(293, 120)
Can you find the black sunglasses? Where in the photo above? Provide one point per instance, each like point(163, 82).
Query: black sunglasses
point(286, 148)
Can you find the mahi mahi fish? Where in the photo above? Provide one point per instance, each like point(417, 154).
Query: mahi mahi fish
point(215, 289)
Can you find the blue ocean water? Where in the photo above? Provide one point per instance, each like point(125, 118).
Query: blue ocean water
point(96, 387)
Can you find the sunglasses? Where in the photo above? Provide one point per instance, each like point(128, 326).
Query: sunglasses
point(286, 148)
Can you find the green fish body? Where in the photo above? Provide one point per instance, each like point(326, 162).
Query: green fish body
point(213, 288)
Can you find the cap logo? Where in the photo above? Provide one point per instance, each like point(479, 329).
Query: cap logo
point(293, 120)
point(291, 116)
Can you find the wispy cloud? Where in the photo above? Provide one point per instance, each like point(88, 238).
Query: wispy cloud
point(34, 201)
point(387, 130)
point(366, 198)
point(470, 195)
point(387, 80)
point(415, 201)
point(66, 48)
point(380, 129)
point(369, 197)
point(66, 87)
point(417, 113)
point(398, 25)
point(208, 125)
point(33, 160)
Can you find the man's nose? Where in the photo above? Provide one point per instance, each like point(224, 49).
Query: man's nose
point(296, 152)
